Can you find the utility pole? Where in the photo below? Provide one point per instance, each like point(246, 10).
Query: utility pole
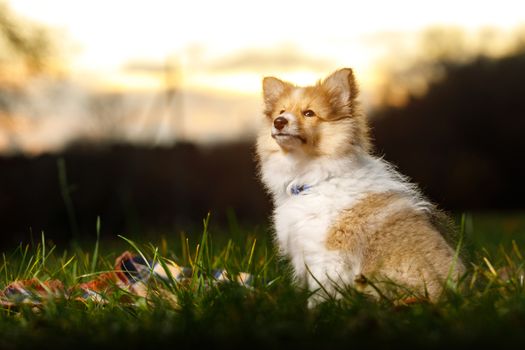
point(172, 123)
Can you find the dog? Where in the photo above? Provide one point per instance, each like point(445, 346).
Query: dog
point(342, 216)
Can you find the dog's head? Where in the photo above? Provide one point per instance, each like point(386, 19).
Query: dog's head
point(316, 120)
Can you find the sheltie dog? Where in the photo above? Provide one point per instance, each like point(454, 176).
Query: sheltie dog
point(342, 216)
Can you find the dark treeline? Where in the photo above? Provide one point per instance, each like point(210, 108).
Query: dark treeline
point(463, 143)
point(464, 140)
point(133, 189)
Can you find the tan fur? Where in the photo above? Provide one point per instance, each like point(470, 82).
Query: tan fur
point(396, 243)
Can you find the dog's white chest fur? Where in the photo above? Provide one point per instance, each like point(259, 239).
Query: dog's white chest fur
point(302, 220)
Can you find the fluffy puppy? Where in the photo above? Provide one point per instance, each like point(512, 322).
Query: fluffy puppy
point(342, 216)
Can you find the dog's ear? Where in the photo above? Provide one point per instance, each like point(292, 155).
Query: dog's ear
point(273, 88)
point(341, 87)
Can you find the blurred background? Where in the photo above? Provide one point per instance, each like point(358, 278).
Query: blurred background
point(144, 112)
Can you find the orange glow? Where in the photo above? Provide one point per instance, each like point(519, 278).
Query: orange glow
point(108, 34)
point(214, 55)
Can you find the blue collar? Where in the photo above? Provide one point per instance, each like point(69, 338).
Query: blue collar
point(297, 189)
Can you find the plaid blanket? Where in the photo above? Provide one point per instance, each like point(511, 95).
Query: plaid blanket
point(132, 275)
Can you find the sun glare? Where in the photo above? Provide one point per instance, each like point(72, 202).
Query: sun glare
point(108, 34)
point(246, 82)
point(220, 51)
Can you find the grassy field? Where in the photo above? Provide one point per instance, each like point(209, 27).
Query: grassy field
point(489, 308)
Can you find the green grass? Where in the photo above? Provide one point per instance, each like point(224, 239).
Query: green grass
point(489, 310)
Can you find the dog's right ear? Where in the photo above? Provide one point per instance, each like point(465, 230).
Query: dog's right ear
point(273, 88)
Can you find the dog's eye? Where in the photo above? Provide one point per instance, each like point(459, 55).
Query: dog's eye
point(309, 113)
point(282, 111)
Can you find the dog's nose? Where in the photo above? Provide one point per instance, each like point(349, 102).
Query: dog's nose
point(280, 123)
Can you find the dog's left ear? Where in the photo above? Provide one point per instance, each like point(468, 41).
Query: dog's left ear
point(341, 86)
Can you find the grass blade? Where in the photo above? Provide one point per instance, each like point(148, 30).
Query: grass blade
point(95, 250)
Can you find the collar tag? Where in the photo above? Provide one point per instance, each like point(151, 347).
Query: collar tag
point(297, 189)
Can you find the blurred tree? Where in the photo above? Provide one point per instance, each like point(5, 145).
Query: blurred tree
point(26, 51)
point(410, 70)
point(24, 47)
point(463, 139)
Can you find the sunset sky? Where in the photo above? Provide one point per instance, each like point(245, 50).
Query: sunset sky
point(216, 52)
